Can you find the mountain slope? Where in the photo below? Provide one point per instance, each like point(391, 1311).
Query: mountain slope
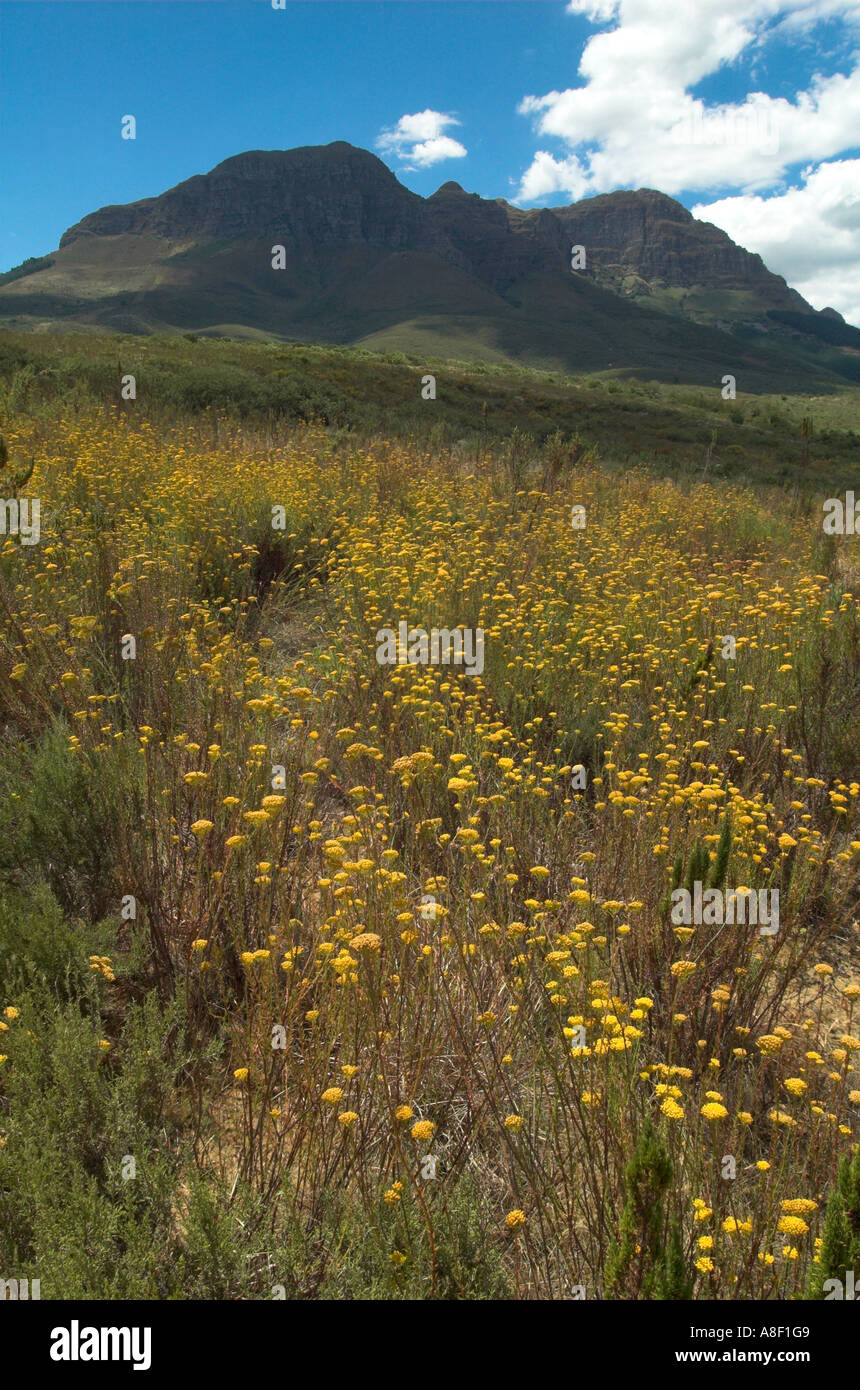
point(367, 261)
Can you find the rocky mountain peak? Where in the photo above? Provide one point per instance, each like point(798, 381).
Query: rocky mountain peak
point(364, 256)
point(324, 193)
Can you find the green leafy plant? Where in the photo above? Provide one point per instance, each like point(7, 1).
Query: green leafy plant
point(646, 1260)
point(840, 1244)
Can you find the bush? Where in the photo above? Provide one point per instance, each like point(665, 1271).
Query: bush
point(59, 824)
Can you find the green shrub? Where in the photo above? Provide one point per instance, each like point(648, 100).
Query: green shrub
point(840, 1245)
point(73, 1113)
point(57, 822)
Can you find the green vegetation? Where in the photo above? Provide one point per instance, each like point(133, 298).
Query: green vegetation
point(840, 1245)
point(325, 978)
point(674, 429)
point(647, 1260)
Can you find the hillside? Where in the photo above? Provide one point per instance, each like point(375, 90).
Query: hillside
point(369, 263)
point(328, 976)
point(667, 428)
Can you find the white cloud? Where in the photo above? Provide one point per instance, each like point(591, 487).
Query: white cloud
point(419, 140)
point(811, 12)
point(598, 11)
point(809, 234)
point(549, 175)
point(633, 121)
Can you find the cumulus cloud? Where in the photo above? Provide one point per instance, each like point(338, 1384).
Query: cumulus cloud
point(632, 121)
point(598, 11)
point(548, 175)
point(419, 140)
point(809, 234)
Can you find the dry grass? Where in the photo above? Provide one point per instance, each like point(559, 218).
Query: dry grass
point(422, 905)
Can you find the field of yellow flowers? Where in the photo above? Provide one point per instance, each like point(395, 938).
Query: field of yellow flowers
point(364, 980)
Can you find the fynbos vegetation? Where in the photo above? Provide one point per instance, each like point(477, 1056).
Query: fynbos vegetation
point(329, 977)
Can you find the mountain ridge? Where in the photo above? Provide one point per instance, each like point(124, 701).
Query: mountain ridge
point(369, 261)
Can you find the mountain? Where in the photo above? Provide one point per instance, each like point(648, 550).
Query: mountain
point(368, 262)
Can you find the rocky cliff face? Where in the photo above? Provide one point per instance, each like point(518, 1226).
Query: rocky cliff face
point(338, 195)
point(318, 195)
point(367, 261)
point(651, 236)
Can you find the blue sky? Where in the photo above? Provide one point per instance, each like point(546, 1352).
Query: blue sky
point(746, 110)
